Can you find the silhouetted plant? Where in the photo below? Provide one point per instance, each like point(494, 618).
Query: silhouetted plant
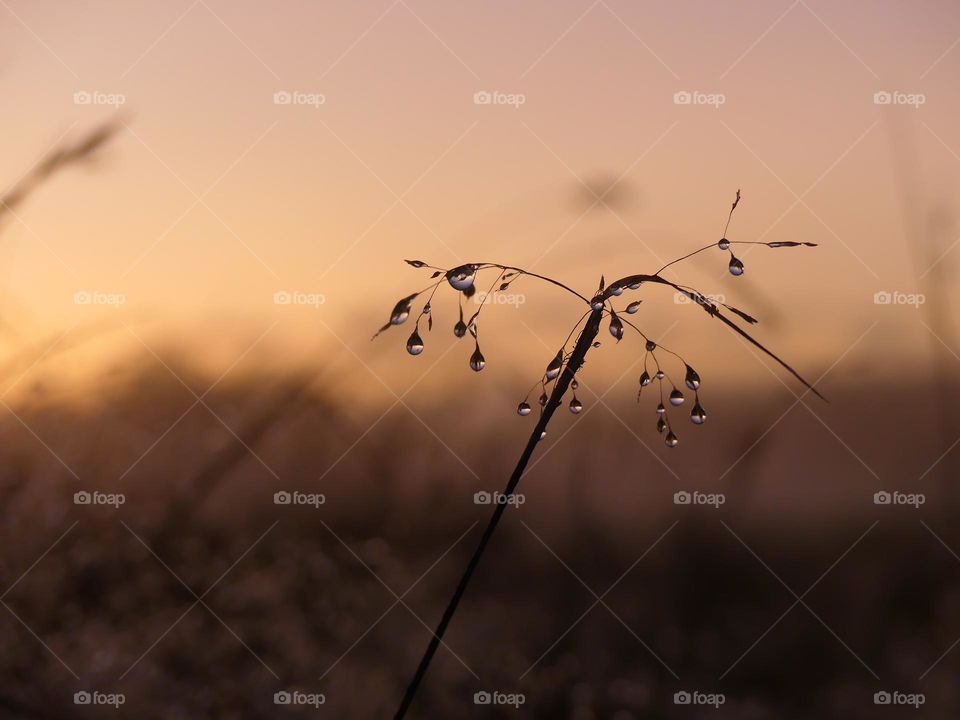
point(561, 369)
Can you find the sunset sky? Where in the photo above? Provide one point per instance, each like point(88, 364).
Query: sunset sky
point(215, 196)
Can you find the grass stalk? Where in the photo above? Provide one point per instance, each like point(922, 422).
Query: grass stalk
point(584, 343)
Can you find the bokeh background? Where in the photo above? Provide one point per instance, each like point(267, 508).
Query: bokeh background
point(175, 171)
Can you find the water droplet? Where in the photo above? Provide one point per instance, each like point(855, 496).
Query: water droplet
point(645, 379)
point(543, 434)
point(676, 397)
point(426, 309)
point(524, 409)
point(616, 290)
point(414, 344)
point(634, 286)
point(616, 327)
point(633, 307)
point(697, 415)
point(661, 425)
point(596, 344)
point(462, 277)
point(651, 346)
point(399, 316)
point(659, 375)
point(553, 369)
point(661, 409)
point(543, 400)
point(460, 329)
point(671, 440)
point(692, 378)
point(575, 406)
point(724, 244)
point(597, 302)
point(477, 360)
point(574, 385)
point(735, 267)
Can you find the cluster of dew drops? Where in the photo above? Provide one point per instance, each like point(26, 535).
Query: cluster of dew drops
point(463, 278)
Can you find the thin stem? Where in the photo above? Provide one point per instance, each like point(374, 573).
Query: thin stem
point(583, 345)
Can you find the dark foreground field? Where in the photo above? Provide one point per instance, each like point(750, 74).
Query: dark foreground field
point(601, 598)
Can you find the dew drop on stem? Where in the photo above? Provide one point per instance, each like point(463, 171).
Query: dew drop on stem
point(477, 360)
point(461, 278)
point(660, 409)
point(553, 369)
point(645, 379)
point(616, 326)
point(671, 440)
point(697, 414)
point(661, 425)
point(414, 343)
point(633, 307)
point(651, 346)
point(735, 266)
point(524, 409)
point(676, 397)
point(692, 378)
point(724, 244)
point(576, 406)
